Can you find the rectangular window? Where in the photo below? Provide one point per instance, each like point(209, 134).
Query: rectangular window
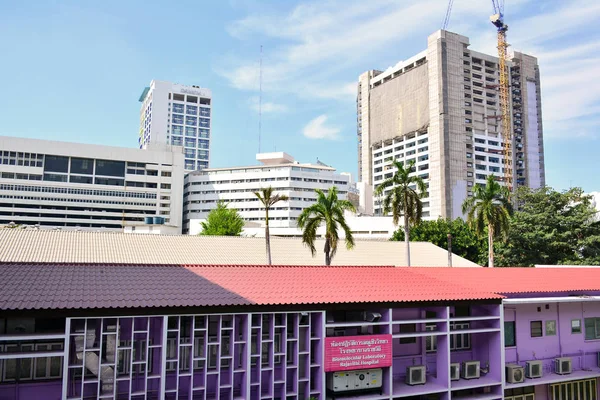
point(82, 166)
point(110, 168)
point(177, 130)
point(575, 326)
point(190, 131)
point(536, 329)
point(192, 121)
point(551, 328)
point(80, 179)
point(56, 164)
point(109, 181)
point(192, 110)
point(55, 178)
point(575, 390)
point(592, 328)
point(510, 337)
point(408, 328)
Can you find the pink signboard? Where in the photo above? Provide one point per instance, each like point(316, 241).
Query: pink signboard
point(344, 353)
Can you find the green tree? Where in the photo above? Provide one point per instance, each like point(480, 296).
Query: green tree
point(465, 242)
point(268, 199)
point(404, 198)
point(328, 210)
point(552, 228)
point(222, 221)
point(489, 209)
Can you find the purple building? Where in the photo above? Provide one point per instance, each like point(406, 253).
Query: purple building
point(109, 331)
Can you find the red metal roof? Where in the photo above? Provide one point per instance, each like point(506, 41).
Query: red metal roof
point(519, 280)
point(70, 286)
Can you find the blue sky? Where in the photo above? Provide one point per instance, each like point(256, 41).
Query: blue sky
point(73, 70)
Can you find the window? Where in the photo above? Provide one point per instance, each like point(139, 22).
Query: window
point(592, 328)
point(408, 328)
point(55, 177)
point(109, 181)
point(110, 168)
point(575, 390)
point(165, 173)
point(510, 338)
point(551, 328)
point(165, 186)
point(82, 166)
point(523, 393)
point(80, 179)
point(536, 329)
point(575, 326)
point(56, 164)
point(460, 341)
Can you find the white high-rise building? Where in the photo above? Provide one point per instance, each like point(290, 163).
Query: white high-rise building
point(177, 115)
point(236, 186)
point(440, 109)
point(89, 187)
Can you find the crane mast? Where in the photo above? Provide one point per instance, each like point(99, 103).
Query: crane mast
point(498, 20)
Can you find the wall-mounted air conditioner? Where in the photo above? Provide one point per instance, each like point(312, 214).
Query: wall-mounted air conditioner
point(470, 370)
point(533, 369)
point(562, 365)
point(415, 375)
point(455, 371)
point(515, 373)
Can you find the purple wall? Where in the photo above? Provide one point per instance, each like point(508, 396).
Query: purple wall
point(547, 347)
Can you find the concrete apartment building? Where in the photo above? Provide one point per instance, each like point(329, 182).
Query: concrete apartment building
point(177, 115)
point(89, 187)
point(236, 186)
point(441, 109)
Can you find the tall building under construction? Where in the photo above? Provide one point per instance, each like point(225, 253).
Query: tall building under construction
point(441, 108)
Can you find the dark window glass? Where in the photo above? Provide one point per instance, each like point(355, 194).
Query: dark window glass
point(56, 164)
point(55, 177)
point(82, 166)
point(591, 324)
point(109, 181)
point(536, 329)
point(510, 339)
point(462, 311)
point(408, 328)
point(80, 179)
point(110, 168)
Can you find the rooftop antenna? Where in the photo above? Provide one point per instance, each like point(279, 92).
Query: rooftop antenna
point(260, 98)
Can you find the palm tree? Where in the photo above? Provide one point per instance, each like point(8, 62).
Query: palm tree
point(328, 210)
point(266, 196)
point(490, 208)
point(404, 199)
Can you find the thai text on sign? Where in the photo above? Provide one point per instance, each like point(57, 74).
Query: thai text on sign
point(344, 353)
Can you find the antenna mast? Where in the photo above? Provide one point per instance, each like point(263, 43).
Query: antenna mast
point(260, 99)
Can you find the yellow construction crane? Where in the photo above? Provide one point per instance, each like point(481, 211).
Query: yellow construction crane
point(498, 20)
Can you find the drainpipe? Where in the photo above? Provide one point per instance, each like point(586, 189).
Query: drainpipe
point(558, 328)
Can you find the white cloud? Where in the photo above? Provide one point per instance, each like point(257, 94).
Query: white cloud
point(266, 107)
point(316, 129)
point(317, 49)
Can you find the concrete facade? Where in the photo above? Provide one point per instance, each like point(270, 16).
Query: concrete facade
point(236, 186)
point(450, 94)
point(90, 187)
point(178, 115)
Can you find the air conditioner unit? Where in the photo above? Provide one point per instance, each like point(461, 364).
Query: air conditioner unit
point(515, 373)
point(369, 378)
point(470, 370)
point(416, 375)
point(533, 369)
point(455, 371)
point(562, 365)
point(342, 381)
point(345, 381)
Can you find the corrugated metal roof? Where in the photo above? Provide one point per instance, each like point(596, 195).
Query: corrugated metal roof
point(520, 280)
point(84, 286)
point(27, 245)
